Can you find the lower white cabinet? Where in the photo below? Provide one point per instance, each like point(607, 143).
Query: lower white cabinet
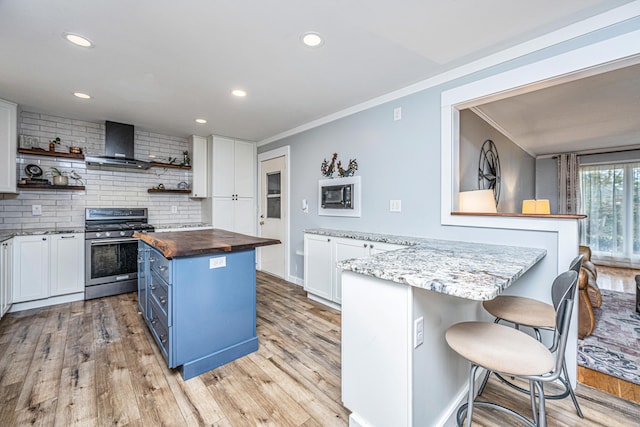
point(47, 265)
point(30, 268)
point(66, 263)
point(322, 277)
point(6, 268)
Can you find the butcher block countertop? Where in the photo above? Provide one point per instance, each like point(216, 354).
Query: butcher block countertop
point(201, 242)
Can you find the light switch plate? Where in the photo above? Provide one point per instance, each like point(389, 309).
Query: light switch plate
point(395, 205)
point(36, 210)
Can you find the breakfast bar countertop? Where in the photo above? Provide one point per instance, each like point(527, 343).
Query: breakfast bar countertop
point(475, 271)
point(201, 242)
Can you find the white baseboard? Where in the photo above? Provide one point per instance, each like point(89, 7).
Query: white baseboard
point(324, 301)
point(297, 280)
point(28, 305)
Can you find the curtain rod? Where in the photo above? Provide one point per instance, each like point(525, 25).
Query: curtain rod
point(594, 151)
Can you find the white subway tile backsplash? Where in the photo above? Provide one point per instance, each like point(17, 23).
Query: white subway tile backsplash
point(103, 187)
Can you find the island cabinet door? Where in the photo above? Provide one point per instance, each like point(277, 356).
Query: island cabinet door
point(214, 306)
point(143, 274)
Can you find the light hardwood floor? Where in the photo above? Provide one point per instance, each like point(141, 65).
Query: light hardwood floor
point(94, 363)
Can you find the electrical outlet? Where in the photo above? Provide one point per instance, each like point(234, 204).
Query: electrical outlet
point(174, 209)
point(395, 205)
point(36, 210)
point(418, 332)
point(397, 113)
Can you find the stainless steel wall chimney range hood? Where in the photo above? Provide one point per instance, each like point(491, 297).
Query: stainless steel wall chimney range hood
point(118, 144)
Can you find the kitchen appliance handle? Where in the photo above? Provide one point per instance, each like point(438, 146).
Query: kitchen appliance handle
point(111, 241)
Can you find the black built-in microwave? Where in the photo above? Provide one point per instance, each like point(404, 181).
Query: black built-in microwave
point(337, 196)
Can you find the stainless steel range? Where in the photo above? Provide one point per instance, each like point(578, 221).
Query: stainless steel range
point(111, 251)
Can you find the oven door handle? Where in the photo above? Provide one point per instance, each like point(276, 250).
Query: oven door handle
point(111, 241)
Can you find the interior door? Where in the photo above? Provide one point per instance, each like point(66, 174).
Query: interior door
point(272, 216)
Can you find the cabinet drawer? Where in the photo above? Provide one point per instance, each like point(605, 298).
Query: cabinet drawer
point(159, 291)
point(159, 327)
point(160, 265)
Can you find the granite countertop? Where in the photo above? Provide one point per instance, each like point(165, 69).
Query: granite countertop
point(8, 234)
point(468, 270)
point(201, 242)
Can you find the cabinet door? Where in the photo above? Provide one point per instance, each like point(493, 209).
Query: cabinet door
point(345, 249)
point(30, 268)
point(8, 137)
point(143, 276)
point(222, 163)
point(318, 266)
point(244, 216)
point(223, 213)
point(6, 250)
point(67, 263)
point(244, 169)
point(200, 167)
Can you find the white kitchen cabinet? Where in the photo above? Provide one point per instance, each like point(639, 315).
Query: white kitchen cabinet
point(30, 268)
point(318, 265)
point(66, 256)
point(8, 140)
point(200, 167)
point(322, 277)
point(6, 275)
point(233, 184)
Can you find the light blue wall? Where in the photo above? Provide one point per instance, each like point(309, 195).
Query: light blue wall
point(398, 160)
point(517, 167)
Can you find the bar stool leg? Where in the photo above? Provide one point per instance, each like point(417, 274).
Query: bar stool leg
point(542, 416)
point(567, 385)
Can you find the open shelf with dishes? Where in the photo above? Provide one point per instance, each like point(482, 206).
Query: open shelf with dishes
point(168, 190)
point(50, 187)
point(170, 165)
point(42, 152)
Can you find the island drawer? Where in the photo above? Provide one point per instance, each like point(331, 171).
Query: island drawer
point(159, 327)
point(160, 292)
point(160, 265)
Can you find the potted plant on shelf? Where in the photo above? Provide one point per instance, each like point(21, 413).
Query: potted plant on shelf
point(60, 177)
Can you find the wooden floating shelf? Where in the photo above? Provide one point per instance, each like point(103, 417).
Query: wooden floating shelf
point(159, 190)
point(51, 187)
point(50, 153)
point(168, 165)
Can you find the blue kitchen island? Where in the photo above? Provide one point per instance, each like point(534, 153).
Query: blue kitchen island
point(197, 293)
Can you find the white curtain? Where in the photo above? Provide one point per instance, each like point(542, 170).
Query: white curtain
point(568, 184)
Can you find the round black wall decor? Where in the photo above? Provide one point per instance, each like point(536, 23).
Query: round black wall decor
point(489, 169)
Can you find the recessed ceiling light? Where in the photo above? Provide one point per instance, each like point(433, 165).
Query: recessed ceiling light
point(312, 39)
point(78, 40)
point(201, 121)
point(82, 95)
point(239, 93)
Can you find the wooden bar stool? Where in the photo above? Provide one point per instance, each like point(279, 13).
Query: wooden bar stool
point(506, 350)
point(534, 314)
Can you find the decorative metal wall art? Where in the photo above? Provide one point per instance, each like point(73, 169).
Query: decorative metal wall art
point(327, 169)
point(489, 169)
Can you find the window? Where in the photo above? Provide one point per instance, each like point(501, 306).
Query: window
point(610, 198)
point(273, 195)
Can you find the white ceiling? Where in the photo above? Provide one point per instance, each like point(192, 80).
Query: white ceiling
point(596, 113)
point(159, 64)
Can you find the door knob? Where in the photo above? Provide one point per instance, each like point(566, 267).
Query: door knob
point(261, 222)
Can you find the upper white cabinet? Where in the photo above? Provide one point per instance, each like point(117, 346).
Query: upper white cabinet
point(8, 140)
point(200, 167)
point(6, 267)
point(233, 184)
point(66, 256)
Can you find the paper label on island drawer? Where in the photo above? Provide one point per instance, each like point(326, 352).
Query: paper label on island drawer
point(218, 262)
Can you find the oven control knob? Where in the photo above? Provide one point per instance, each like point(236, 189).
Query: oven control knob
point(98, 234)
point(108, 234)
point(122, 233)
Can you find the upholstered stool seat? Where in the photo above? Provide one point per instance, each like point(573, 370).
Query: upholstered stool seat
point(505, 350)
point(500, 348)
point(522, 311)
